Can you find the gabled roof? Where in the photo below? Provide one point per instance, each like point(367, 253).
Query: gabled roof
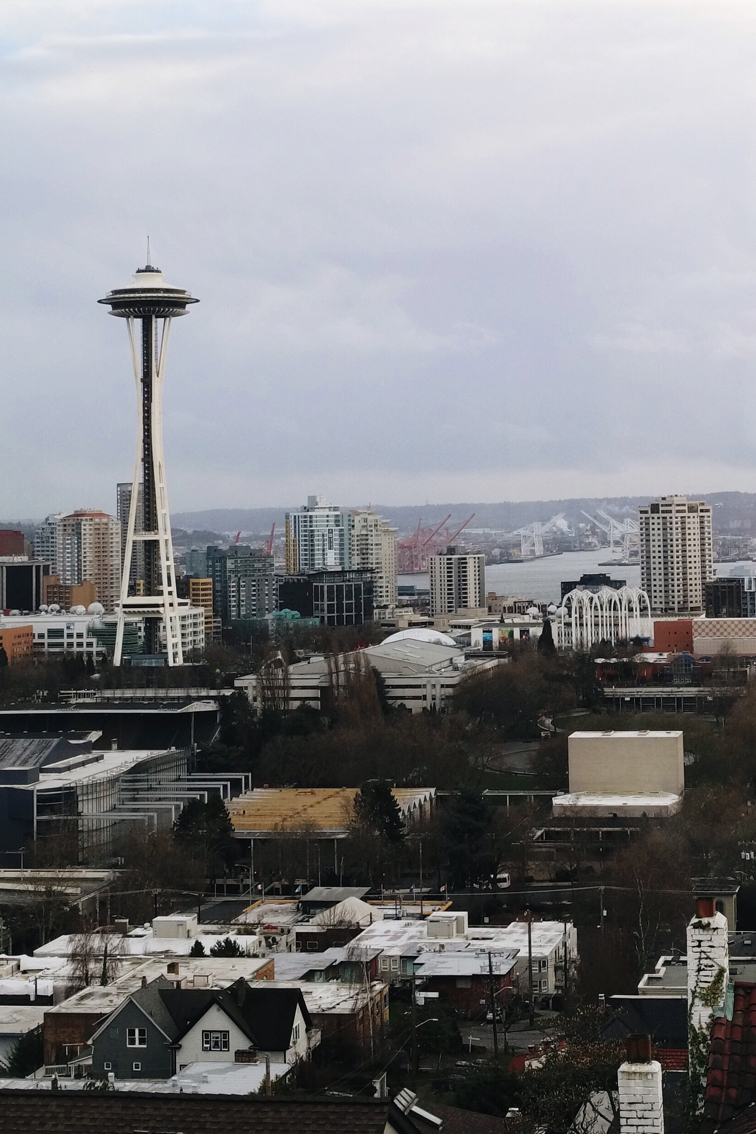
point(664, 1018)
point(264, 1013)
point(731, 1075)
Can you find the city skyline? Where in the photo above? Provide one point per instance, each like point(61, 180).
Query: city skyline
point(504, 282)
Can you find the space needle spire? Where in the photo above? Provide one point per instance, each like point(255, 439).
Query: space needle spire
point(148, 307)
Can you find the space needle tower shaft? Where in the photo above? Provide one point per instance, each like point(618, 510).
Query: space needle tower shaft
point(149, 306)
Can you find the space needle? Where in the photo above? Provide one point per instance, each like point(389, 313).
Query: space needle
point(148, 307)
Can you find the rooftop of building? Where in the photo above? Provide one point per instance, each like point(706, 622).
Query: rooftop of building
point(466, 963)
point(195, 1079)
point(268, 810)
point(621, 735)
point(193, 973)
point(91, 1112)
point(411, 938)
point(334, 894)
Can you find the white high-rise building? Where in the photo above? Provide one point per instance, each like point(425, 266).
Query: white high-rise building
point(317, 538)
point(457, 581)
point(676, 556)
point(46, 539)
point(373, 548)
point(83, 547)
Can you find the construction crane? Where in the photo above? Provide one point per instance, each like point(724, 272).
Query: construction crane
point(415, 551)
point(531, 536)
point(269, 541)
point(624, 536)
point(237, 538)
point(459, 530)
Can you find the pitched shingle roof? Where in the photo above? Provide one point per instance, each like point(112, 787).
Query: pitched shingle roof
point(75, 1112)
point(731, 1076)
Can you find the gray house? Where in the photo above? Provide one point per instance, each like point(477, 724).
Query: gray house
point(160, 1029)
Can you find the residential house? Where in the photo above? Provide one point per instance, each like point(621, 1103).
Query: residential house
point(160, 1028)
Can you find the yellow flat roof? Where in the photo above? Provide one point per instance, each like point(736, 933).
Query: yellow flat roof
point(320, 809)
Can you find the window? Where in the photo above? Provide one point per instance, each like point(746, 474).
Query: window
point(215, 1041)
point(384, 963)
point(312, 946)
point(295, 1034)
point(107, 1066)
point(136, 1037)
point(136, 1066)
point(395, 964)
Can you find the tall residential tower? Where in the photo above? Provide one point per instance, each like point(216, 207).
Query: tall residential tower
point(676, 557)
point(149, 306)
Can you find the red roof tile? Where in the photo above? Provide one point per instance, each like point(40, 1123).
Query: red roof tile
point(731, 1075)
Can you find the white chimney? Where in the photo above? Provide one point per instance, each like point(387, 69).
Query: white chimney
point(639, 1082)
point(708, 978)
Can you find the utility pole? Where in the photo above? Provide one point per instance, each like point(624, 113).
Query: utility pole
point(493, 1006)
point(251, 868)
point(530, 968)
point(565, 958)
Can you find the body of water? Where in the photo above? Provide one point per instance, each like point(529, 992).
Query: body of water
point(541, 579)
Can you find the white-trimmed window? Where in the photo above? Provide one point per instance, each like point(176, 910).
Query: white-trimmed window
point(136, 1066)
point(107, 1066)
point(295, 1034)
point(395, 964)
point(215, 1041)
point(136, 1037)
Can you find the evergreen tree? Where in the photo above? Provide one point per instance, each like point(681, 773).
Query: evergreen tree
point(205, 831)
point(27, 1054)
point(226, 947)
point(546, 645)
point(3, 657)
point(378, 812)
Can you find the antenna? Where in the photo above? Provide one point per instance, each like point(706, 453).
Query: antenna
point(149, 261)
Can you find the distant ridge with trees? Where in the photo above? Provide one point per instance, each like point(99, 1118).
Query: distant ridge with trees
point(733, 512)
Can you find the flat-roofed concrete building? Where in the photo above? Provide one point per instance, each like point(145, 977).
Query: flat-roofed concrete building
point(627, 773)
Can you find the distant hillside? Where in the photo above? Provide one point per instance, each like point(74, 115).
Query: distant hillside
point(733, 511)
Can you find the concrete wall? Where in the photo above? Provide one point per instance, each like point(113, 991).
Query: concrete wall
point(625, 762)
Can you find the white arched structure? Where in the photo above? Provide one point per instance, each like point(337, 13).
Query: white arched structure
point(588, 617)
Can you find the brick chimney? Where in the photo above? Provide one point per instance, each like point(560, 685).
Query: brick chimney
point(639, 1082)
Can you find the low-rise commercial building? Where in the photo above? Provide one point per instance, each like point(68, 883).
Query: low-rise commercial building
point(420, 669)
point(90, 633)
point(17, 642)
point(324, 813)
point(623, 773)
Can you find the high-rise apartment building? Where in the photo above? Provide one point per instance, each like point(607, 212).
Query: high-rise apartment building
point(457, 581)
point(123, 504)
point(243, 583)
point(676, 555)
point(317, 538)
point(84, 546)
point(46, 541)
point(373, 548)
point(201, 594)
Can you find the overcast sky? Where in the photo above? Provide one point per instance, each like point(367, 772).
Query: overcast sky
point(476, 250)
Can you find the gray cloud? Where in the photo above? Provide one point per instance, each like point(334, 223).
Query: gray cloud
point(471, 250)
